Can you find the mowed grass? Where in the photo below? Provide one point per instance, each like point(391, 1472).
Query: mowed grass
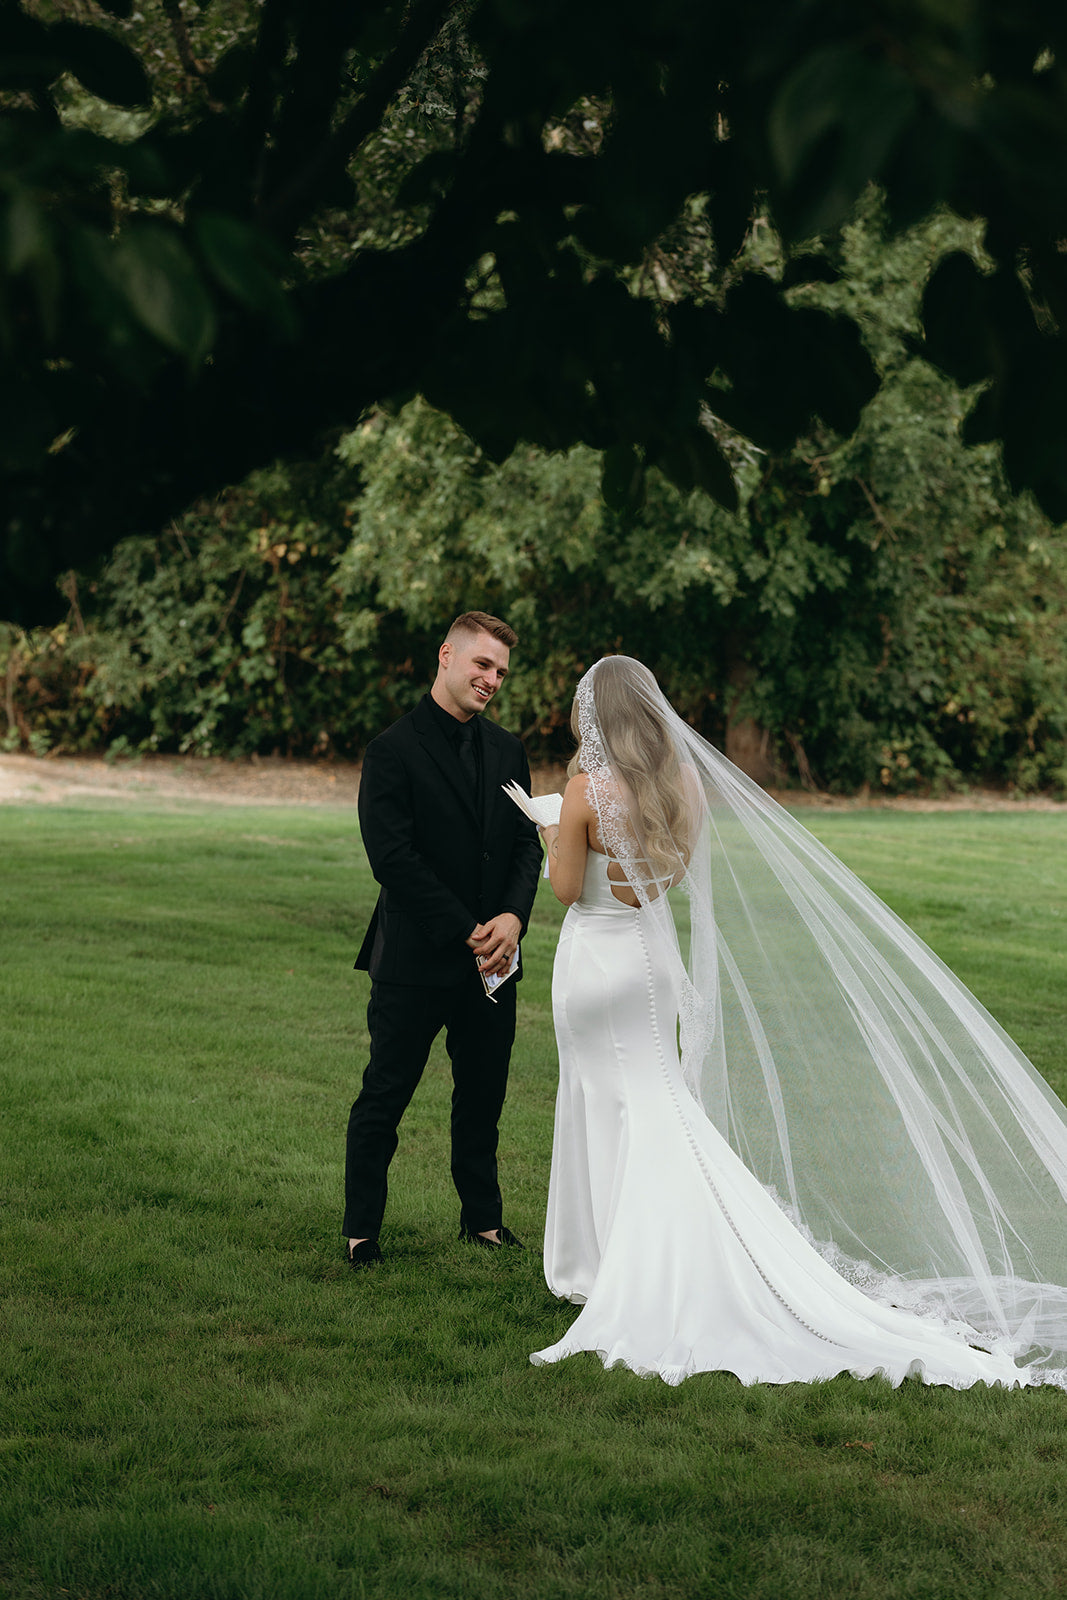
point(201, 1401)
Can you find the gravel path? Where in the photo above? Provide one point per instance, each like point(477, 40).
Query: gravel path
point(169, 780)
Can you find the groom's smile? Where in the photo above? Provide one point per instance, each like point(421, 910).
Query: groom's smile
point(471, 671)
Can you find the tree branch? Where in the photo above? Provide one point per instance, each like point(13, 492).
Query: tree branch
point(184, 44)
point(807, 777)
point(271, 41)
point(876, 511)
point(285, 208)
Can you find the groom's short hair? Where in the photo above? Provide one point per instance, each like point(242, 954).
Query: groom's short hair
point(482, 622)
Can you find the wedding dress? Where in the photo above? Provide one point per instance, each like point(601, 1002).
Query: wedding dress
point(680, 1258)
point(788, 1143)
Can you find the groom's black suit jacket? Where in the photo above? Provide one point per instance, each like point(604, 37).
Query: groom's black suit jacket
point(443, 863)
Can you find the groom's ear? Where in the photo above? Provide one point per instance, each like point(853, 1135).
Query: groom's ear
point(445, 654)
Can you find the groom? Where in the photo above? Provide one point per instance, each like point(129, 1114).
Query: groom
point(457, 864)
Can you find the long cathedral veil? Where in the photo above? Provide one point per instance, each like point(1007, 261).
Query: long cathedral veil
point(896, 1123)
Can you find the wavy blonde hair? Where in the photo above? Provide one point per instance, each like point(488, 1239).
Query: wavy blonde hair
point(643, 759)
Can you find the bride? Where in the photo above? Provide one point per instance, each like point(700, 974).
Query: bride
point(788, 1142)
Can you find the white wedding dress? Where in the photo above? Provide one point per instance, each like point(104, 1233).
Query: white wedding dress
point(681, 1260)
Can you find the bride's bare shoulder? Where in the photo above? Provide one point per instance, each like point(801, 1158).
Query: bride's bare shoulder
point(692, 787)
point(579, 791)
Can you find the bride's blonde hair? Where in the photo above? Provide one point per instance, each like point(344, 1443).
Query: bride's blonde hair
point(643, 758)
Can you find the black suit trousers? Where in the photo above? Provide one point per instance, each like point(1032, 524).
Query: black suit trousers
point(403, 1023)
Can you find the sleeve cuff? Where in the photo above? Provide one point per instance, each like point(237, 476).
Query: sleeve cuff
point(515, 911)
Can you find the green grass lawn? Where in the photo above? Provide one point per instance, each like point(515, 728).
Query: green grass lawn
point(201, 1401)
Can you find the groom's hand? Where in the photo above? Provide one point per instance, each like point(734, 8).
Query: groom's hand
point(495, 942)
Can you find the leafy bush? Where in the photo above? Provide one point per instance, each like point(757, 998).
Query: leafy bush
point(881, 610)
point(218, 636)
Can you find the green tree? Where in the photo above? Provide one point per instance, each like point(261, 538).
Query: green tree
point(197, 288)
point(883, 607)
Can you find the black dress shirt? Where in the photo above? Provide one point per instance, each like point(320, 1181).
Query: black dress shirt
point(465, 739)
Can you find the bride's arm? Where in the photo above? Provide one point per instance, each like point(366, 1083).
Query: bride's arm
point(568, 843)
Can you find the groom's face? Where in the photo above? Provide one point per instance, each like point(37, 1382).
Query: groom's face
point(471, 668)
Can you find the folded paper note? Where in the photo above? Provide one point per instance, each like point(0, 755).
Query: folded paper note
point(544, 809)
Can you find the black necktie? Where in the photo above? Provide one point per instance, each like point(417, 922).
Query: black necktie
point(468, 759)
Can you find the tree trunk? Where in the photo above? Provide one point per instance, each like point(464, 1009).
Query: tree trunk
point(748, 746)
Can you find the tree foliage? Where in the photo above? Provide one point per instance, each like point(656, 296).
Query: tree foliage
point(881, 605)
point(528, 213)
point(302, 615)
point(219, 635)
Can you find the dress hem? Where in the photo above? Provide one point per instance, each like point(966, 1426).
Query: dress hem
point(673, 1375)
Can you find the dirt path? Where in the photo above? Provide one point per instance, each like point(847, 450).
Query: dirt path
point(272, 782)
point(54, 779)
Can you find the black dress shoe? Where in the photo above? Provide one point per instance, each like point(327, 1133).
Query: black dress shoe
point(506, 1238)
point(363, 1254)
